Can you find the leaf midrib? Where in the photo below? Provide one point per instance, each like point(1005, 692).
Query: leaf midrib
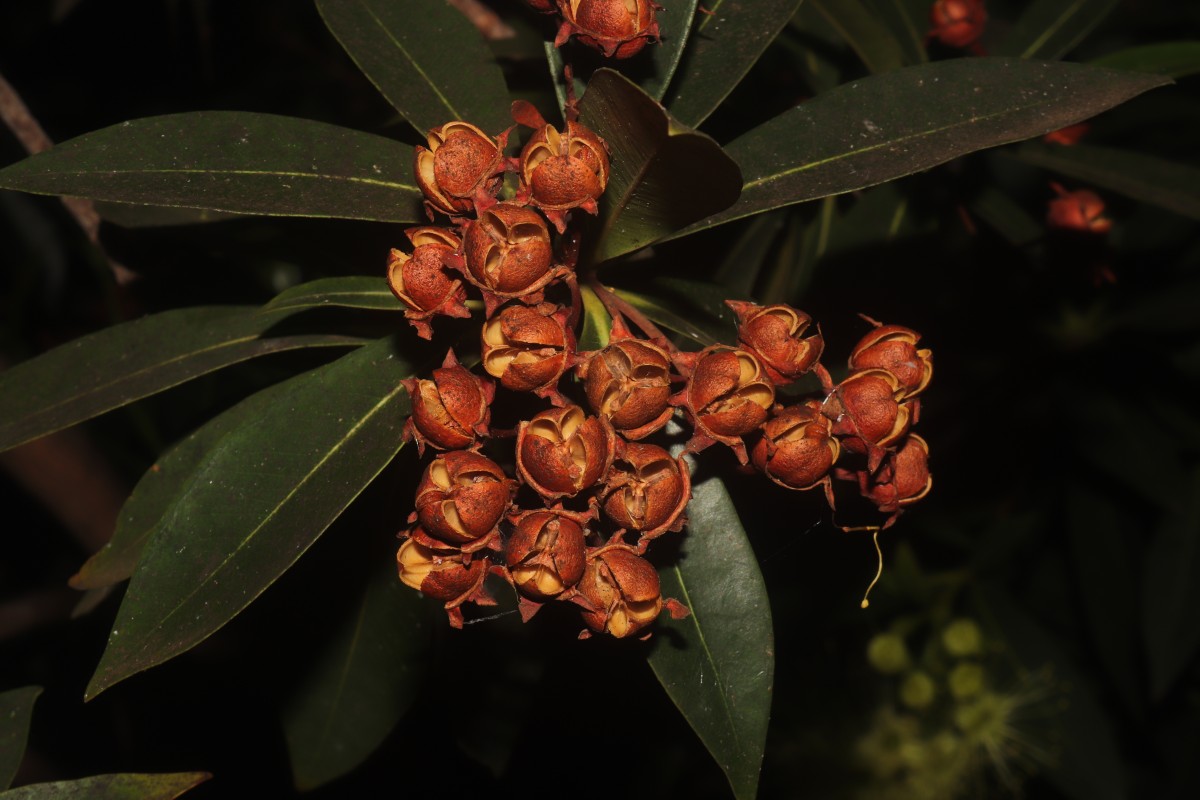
point(188, 171)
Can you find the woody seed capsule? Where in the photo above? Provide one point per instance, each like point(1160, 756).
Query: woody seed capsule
point(797, 450)
point(562, 451)
point(866, 413)
point(527, 349)
point(776, 335)
point(647, 491)
point(451, 411)
point(629, 382)
point(462, 497)
point(727, 396)
point(957, 23)
point(894, 348)
point(425, 281)
point(622, 589)
point(545, 554)
point(508, 251)
point(617, 28)
point(562, 171)
point(461, 167)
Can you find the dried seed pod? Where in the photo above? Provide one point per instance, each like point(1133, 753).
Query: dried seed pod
point(461, 498)
point(797, 450)
point(562, 451)
point(622, 589)
point(629, 383)
point(901, 480)
point(776, 335)
point(894, 348)
point(728, 394)
point(957, 23)
point(647, 491)
point(617, 28)
point(1080, 210)
point(461, 167)
point(545, 553)
point(867, 413)
point(562, 171)
point(527, 349)
point(426, 281)
point(508, 252)
point(444, 575)
point(451, 411)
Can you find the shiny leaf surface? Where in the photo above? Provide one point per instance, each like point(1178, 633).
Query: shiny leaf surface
point(357, 291)
point(675, 25)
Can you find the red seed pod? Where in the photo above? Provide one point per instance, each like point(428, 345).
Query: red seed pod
point(425, 281)
point(546, 553)
point(562, 171)
point(452, 410)
point(1080, 210)
point(957, 23)
point(797, 449)
point(647, 491)
point(902, 479)
point(867, 413)
point(727, 395)
point(622, 589)
point(617, 28)
point(562, 451)
point(444, 575)
point(629, 383)
point(462, 497)
point(527, 349)
point(776, 335)
point(462, 166)
point(508, 252)
point(894, 348)
point(1070, 135)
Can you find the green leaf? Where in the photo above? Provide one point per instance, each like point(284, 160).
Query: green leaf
point(259, 499)
point(162, 486)
point(425, 57)
point(886, 126)
point(107, 369)
point(995, 207)
point(667, 317)
point(722, 49)
point(596, 322)
point(358, 291)
point(130, 215)
point(16, 711)
point(1171, 586)
point(739, 269)
point(664, 175)
point(1050, 29)
point(1154, 180)
point(231, 161)
point(908, 22)
point(1173, 59)
point(674, 26)
point(130, 786)
point(718, 663)
point(861, 28)
point(358, 686)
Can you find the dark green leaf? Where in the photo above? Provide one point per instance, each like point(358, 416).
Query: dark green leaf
point(722, 49)
point(861, 28)
point(129, 215)
point(908, 22)
point(1005, 215)
point(115, 366)
point(1050, 29)
point(16, 711)
point(668, 318)
point(718, 663)
point(1167, 184)
point(359, 685)
point(162, 485)
point(596, 322)
point(802, 248)
point(349, 292)
point(675, 24)
point(887, 126)
point(1173, 59)
point(425, 57)
point(132, 786)
point(1171, 603)
point(664, 175)
point(739, 270)
point(231, 161)
point(259, 499)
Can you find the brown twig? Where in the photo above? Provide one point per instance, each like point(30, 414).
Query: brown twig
point(617, 307)
point(487, 21)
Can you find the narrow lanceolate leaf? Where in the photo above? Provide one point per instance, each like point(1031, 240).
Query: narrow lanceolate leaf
point(1173, 59)
point(370, 292)
point(718, 663)
point(908, 22)
point(665, 317)
point(130, 786)
point(231, 161)
point(1153, 180)
point(664, 175)
point(1171, 595)
point(162, 486)
point(722, 48)
point(887, 126)
point(107, 369)
point(357, 687)
point(256, 502)
point(596, 324)
point(862, 28)
point(16, 710)
point(425, 57)
point(675, 24)
point(1050, 29)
